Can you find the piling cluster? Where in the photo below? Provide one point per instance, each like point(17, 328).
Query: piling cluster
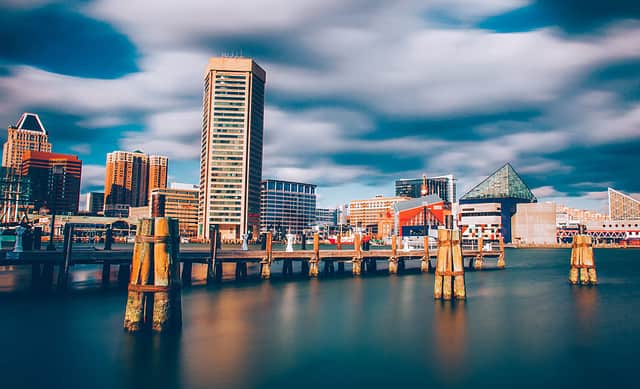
point(449, 275)
point(154, 298)
point(583, 267)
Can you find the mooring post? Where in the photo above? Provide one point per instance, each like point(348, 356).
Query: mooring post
point(582, 262)
point(141, 277)
point(315, 259)
point(425, 263)
point(477, 265)
point(393, 259)
point(213, 251)
point(265, 264)
point(339, 241)
point(449, 264)
point(63, 274)
point(501, 263)
point(303, 241)
point(459, 286)
point(167, 299)
point(357, 259)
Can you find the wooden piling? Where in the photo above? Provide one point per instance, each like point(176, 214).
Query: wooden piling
point(479, 257)
point(357, 259)
point(339, 241)
point(187, 271)
point(425, 262)
point(214, 242)
point(315, 259)
point(106, 273)
point(167, 301)
point(583, 267)
point(134, 317)
point(459, 287)
point(449, 265)
point(265, 264)
point(63, 274)
point(393, 260)
point(501, 264)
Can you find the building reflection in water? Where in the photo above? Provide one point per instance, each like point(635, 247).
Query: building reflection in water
point(449, 336)
point(151, 361)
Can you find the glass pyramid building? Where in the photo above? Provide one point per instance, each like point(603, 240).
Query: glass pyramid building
point(504, 183)
point(622, 206)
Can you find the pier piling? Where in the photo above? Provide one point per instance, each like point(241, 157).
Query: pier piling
point(425, 262)
point(213, 251)
point(63, 274)
point(265, 264)
point(134, 317)
point(393, 260)
point(315, 259)
point(356, 261)
point(167, 299)
point(449, 278)
point(501, 264)
point(477, 265)
point(583, 268)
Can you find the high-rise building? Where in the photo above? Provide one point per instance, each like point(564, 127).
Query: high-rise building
point(623, 206)
point(15, 192)
point(94, 203)
point(501, 191)
point(231, 153)
point(443, 186)
point(27, 134)
point(127, 180)
point(181, 204)
point(55, 180)
point(158, 172)
point(288, 206)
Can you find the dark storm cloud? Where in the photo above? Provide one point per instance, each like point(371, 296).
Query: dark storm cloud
point(572, 16)
point(59, 40)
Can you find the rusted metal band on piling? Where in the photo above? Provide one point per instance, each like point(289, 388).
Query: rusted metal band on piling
point(449, 273)
point(153, 239)
point(152, 288)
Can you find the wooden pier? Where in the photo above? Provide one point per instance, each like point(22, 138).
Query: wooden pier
point(314, 262)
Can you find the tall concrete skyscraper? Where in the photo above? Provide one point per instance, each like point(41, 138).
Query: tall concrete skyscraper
point(231, 153)
point(27, 134)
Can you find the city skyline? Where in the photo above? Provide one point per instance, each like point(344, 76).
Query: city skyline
point(569, 125)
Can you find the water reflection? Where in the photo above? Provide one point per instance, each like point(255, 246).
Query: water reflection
point(586, 306)
point(450, 333)
point(151, 360)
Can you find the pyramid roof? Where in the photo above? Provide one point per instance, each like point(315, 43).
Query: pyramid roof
point(501, 184)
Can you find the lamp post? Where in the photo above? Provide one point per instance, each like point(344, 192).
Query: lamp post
point(52, 223)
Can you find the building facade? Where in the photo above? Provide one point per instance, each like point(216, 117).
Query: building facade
point(181, 204)
point(15, 193)
point(288, 207)
point(128, 179)
point(231, 153)
point(94, 203)
point(55, 180)
point(368, 213)
point(416, 216)
point(327, 217)
point(505, 187)
point(534, 223)
point(442, 186)
point(623, 206)
point(27, 135)
point(158, 166)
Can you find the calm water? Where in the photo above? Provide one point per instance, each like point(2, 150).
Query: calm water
point(524, 326)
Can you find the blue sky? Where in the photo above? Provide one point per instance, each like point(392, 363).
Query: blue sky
point(359, 92)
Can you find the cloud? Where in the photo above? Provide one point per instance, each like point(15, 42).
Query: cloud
point(82, 148)
point(92, 176)
point(547, 191)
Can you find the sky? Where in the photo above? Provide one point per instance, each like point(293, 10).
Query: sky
point(359, 92)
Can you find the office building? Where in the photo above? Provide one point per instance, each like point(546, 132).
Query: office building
point(27, 134)
point(503, 187)
point(623, 206)
point(181, 204)
point(327, 217)
point(231, 154)
point(157, 172)
point(442, 186)
point(55, 180)
point(287, 207)
point(94, 203)
point(368, 213)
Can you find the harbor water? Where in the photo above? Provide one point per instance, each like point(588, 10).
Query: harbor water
point(521, 327)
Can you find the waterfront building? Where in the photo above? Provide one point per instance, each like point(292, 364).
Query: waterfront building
point(94, 203)
point(480, 220)
point(27, 134)
point(287, 207)
point(128, 177)
point(368, 213)
point(504, 187)
point(15, 193)
point(573, 216)
point(534, 223)
point(410, 215)
point(623, 206)
point(443, 186)
point(326, 217)
point(157, 172)
point(181, 204)
point(231, 154)
point(55, 180)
